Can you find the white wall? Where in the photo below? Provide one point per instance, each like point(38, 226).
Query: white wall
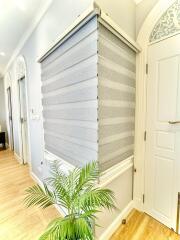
point(58, 17)
point(122, 188)
point(142, 11)
point(2, 106)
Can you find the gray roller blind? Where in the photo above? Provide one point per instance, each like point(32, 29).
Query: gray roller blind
point(116, 93)
point(69, 88)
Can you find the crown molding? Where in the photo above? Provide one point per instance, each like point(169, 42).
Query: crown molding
point(27, 34)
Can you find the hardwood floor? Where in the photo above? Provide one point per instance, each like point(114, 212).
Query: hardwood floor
point(140, 226)
point(16, 221)
point(19, 223)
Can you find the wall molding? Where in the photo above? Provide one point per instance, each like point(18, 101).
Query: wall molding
point(116, 223)
point(112, 173)
point(107, 176)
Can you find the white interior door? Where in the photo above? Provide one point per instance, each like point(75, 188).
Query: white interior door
point(23, 118)
point(162, 160)
point(10, 119)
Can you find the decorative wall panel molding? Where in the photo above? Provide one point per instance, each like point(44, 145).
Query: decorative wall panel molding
point(168, 24)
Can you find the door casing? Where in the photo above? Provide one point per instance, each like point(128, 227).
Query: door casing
point(141, 87)
point(163, 138)
point(10, 118)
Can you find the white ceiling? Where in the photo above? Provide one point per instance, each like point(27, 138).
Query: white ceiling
point(137, 1)
point(16, 16)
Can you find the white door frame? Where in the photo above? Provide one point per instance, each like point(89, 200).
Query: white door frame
point(18, 76)
point(7, 84)
point(140, 120)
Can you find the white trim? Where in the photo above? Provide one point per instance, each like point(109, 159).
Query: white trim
point(106, 177)
point(28, 34)
point(112, 173)
point(7, 84)
point(17, 157)
point(50, 157)
point(115, 224)
point(27, 158)
point(140, 120)
point(40, 183)
point(36, 179)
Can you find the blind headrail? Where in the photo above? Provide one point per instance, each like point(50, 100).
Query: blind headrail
point(83, 19)
point(77, 24)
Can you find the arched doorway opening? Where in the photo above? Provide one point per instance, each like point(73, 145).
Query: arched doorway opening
point(21, 86)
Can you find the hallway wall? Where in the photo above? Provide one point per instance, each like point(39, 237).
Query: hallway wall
point(53, 23)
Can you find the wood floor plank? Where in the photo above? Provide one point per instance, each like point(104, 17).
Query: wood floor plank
point(19, 223)
point(16, 221)
point(140, 226)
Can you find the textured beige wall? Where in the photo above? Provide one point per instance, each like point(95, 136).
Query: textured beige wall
point(142, 11)
point(123, 12)
point(122, 188)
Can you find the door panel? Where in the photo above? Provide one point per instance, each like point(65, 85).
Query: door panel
point(23, 118)
point(162, 145)
point(10, 120)
point(167, 71)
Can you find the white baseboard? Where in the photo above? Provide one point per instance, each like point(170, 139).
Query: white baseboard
point(117, 222)
point(36, 179)
point(18, 158)
point(138, 204)
point(40, 183)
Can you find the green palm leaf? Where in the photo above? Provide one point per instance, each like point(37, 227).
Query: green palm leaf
point(77, 193)
point(97, 198)
point(36, 196)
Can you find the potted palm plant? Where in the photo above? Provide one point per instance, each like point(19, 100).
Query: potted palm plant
point(78, 193)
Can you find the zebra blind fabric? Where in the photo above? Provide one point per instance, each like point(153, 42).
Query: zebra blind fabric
point(69, 88)
point(116, 71)
point(88, 88)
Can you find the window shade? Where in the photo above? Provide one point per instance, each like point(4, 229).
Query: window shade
point(88, 87)
point(116, 73)
point(69, 88)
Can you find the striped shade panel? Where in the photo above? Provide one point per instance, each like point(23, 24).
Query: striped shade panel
point(116, 71)
point(69, 88)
